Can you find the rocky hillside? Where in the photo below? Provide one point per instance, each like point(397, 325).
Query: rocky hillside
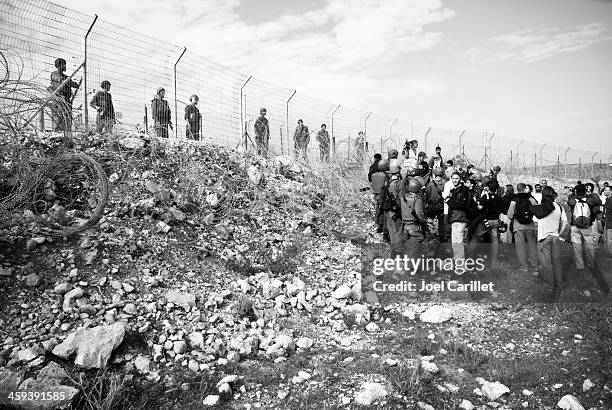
point(219, 280)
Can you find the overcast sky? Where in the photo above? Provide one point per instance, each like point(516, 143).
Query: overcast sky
point(537, 70)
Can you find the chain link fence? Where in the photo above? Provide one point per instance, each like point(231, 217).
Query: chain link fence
point(137, 65)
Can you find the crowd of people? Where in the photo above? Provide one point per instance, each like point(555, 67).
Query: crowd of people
point(469, 207)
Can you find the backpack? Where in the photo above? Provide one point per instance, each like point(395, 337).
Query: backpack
point(581, 214)
point(523, 214)
point(387, 200)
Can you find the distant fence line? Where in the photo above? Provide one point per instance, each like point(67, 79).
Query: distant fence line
point(136, 65)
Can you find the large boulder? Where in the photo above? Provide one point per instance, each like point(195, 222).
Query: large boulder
point(369, 393)
point(185, 300)
point(93, 347)
point(436, 314)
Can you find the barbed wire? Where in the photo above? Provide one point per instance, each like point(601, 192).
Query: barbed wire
point(137, 65)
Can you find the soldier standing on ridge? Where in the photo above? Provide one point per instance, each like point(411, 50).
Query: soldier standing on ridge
point(262, 133)
point(323, 139)
point(103, 104)
point(301, 138)
point(161, 114)
point(193, 119)
point(62, 109)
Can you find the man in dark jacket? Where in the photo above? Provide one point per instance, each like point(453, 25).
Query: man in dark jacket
point(458, 203)
point(525, 230)
point(102, 102)
point(193, 119)
point(162, 117)
point(607, 219)
point(422, 165)
point(489, 206)
point(374, 166)
point(262, 133)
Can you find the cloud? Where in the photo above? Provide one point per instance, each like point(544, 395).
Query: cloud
point(338, 43)
point(528, 46)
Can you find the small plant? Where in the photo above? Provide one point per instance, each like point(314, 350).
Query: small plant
point(244, 308)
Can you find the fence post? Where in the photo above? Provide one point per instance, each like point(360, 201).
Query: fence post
point(175, 95)
point(460, 144)
point(580, 167)
point(490, 151)
point(348, 147)
point(390, 127)
point(593, 164)
point(535, 163)
point(425, 139)
point(85, 102)
point(541, 148)
point(287, 118)
point(365, 130)
point(484, 148)
point(281, 138)
point(332, 130)
point(242, 113)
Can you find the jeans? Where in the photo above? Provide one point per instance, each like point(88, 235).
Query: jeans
point(526, 241)
point(582, 242)
point(505, 237)
point(379, 217)
point(457, 235)
point(549, 254)
point(324, 153)
point(104, 124)
point(441, 226)
point(481, 230)
point(394, 225)
point(414, 238)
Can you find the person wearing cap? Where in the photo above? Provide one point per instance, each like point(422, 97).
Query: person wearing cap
point(193, 119)
point(436, 160)
point(301, 138)
point(324, 143)
point(377, 179)
point(414, 218)
point(162, 116)
point(262, 132)
point(392, 154)
point(102, 102)
point(61, 110)
point(422, 165)
point(434, 201)
point(390, 205)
